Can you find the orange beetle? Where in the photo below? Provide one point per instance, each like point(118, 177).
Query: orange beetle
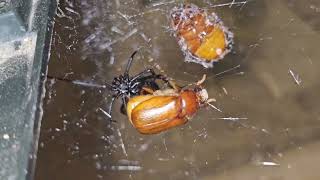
point(203, 38)
point(164, 109)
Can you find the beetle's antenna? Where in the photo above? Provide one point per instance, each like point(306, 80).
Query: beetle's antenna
point(80, 82)
point(130, 62)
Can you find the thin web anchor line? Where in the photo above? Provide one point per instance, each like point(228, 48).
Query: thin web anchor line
point(230, 4)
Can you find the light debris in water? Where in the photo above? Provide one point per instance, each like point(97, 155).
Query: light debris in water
point(72, 11)
point(112, 58)
point(6, 136)
point(121, 143)
point(233, 118)
point(129, 34)
point(82, 83)
point(225, 90)
point(230, 4)
point(117, 30)
point(237, 120)
point(122, 39)
point(128, 162)
point(162, 3)
point(296, 77)
point(214, 107)
point(145, 146)
point(268, 163)
point(228, 70)
point(105, 113)
point(144, 36)
point(126, 168)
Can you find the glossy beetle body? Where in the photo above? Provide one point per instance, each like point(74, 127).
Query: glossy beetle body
point(203, 38)
point(164, 109)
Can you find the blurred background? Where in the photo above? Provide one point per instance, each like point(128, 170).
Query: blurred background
point(266, 88)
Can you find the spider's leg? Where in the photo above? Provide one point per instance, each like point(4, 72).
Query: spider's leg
point(130, 62)
point(155, 76)
point(143, 74)
point(152, 75)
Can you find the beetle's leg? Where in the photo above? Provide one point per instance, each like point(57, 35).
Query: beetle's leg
point(154, 85)
point(174, 85)
point(147, 90)
point(153, 75)
point(201, 81)
point(165, 79)
point(151, 84)
point(123, 108)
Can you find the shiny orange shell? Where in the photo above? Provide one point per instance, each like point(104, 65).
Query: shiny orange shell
point(203, 38)
point(151, 114)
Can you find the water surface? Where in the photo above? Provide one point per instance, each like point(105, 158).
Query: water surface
point(268, 96)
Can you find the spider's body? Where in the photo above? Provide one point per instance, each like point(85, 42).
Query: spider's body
point(122, 85)
point(125, 86)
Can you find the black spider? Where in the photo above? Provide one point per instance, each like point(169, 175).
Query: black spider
point(125, 86)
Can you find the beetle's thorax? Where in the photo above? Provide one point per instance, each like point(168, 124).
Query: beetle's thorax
point(190, 102)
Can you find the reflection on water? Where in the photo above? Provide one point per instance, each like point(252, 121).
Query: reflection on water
point(269, 98)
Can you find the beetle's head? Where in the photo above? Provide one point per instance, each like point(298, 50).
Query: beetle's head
point(203, 95)
point(204, 99)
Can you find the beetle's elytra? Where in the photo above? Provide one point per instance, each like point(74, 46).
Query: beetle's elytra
point(165, 109)
point(203, 38)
